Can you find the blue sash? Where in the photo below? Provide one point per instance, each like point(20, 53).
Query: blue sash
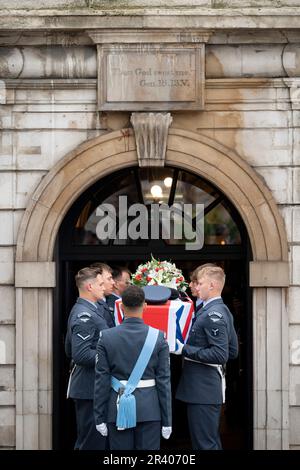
point(126, 416)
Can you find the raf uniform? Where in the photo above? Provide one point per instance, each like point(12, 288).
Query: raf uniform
point(118, 350)
point(108, 309)
point(212, 341)
point(84, 324)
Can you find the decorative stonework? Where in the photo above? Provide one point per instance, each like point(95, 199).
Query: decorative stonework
point(151, 133)
point(48, 205)
point(150, 70)
point(136, 77)
point(48, 61)
point(203, 156)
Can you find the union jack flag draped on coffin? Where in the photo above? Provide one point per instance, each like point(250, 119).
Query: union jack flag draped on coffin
point(174, 318)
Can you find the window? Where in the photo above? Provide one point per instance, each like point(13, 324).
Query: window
point(156, 186)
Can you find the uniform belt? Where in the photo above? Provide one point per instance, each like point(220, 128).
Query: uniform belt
point(142, 383)
point(205, 363)
point(220, 370)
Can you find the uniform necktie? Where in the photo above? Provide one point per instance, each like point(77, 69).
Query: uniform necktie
point(199, 306)
point(197, 310)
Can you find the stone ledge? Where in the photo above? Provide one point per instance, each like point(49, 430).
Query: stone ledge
point(216, 19)
point(269, 274)
point(35, 274)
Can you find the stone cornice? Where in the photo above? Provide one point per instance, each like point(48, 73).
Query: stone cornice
point(217, 19)
point(9, 86)
point(76, 38)
point(155, 11)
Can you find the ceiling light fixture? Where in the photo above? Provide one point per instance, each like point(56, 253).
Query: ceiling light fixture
point(156, 191)
point(168, 182)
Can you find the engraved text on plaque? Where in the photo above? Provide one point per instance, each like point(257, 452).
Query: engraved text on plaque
point(151, 77)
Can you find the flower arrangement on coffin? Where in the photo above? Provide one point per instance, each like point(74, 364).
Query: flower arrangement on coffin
point(173, 317)
point(159, 273)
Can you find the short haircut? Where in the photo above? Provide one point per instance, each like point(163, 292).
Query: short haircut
point(216, 273)
point(194, 274)
point(133, 297)
point(102, 267)
point(118, 271)
point(85, 275)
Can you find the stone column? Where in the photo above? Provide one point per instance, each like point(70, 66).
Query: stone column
point(34, 354)
point(270, 355)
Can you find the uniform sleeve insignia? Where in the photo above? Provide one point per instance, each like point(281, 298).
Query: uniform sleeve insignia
point(84, 316)
point(215, 316)
point(215, 331)
point(215, 313)
point(83, 337)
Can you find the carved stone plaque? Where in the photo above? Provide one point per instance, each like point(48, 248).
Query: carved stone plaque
point(136, 77)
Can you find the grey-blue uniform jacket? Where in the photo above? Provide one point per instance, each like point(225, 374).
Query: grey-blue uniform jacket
point(212, 340)
point(117, 352)
point(84, 325)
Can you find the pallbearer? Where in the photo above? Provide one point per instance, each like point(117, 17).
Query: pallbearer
point(211, 342)
point(132, 389)
point(84, 324)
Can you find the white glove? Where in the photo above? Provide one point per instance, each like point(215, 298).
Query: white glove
point(179, 347)
point(166, 432)
point(102, 428)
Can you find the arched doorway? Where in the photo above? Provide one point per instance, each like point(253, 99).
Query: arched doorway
point(36, 273)
point(225, 243)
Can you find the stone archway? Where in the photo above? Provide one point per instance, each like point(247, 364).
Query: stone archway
point(35, 274)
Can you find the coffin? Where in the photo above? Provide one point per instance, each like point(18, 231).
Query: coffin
point(174, 318)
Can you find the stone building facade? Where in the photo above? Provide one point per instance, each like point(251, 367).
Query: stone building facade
point(55, 143)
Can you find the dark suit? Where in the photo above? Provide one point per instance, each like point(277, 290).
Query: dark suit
point(84, 324)
point(212, 340)
point(118, 350)
point(108, 307)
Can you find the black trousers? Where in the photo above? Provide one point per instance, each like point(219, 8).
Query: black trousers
point(204, 422)
point(88, 438)
point(145, 436)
